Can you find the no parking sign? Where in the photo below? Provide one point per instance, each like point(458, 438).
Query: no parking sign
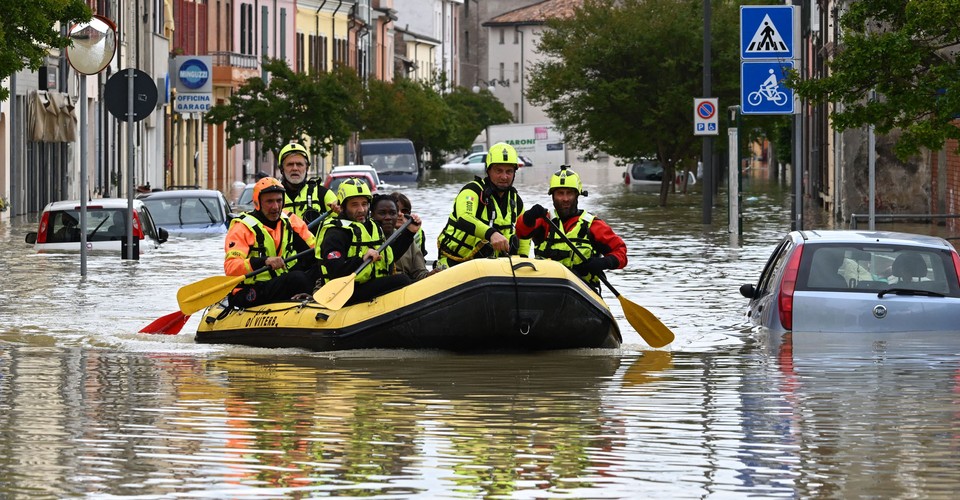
point(705, 119)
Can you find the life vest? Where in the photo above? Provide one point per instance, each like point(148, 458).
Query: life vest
point(265, 245)
point(310, 194)
point(555, 248)
point(458, 243)
point(365, 236)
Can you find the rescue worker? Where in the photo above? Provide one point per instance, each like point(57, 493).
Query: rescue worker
point(346, 241)
point(266, 236)
point(595, 240)
point(484, 214)
point(306, 198)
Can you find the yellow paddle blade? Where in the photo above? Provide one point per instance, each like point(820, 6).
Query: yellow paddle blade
point(206, 292)
point(653, 331)
point(335, 293)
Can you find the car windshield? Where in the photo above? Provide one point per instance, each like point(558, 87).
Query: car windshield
point(246, 197)
point(648, 170)
point(181, 211)
point(858, 268)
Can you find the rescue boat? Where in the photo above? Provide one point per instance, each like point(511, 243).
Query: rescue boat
point(483, 304)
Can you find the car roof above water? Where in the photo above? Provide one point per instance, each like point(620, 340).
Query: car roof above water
point(860, 237)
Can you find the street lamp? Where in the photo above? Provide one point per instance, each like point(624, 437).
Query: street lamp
point(489, 84)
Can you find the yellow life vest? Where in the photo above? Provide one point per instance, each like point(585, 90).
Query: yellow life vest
point(311, 196)
point(266, 246)
point(555, 248)
point(364, 236)
point(458, 241)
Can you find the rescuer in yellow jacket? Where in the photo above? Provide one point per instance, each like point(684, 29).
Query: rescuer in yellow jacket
point(266, 236)
point(306, 198)
point(485, 213)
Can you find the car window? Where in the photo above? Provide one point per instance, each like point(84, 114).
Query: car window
point(774, 265)
point(246, 197)
point(861, 268)
point(181, 211)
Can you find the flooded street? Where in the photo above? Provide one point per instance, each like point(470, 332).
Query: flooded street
point(91, 408)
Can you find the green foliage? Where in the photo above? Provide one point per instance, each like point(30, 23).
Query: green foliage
point(291, 107)
point(435, 122)
point(620, 76)
point(27, 31)
point(905, 50)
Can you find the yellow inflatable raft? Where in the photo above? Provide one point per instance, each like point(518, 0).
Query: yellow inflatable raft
point(483, 304)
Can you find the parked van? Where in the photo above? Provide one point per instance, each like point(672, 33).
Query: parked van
point(395, 160)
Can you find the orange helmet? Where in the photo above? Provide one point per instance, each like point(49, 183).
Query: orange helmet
point(265, 185)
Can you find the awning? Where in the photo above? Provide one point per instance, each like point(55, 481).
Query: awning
point(51, 117)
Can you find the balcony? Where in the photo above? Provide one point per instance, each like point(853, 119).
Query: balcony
point(232, 68)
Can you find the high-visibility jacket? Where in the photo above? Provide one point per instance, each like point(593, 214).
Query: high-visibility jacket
point(478, 212)
point(554, 247)
point(309, 195)
point(265, 245)
point(364, 236)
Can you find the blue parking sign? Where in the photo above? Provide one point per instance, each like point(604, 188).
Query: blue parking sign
point(767, 32)
point(762, 91)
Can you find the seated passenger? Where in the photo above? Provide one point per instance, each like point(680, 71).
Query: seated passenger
point(384, 212)
point(824, 270)
point(352, 238)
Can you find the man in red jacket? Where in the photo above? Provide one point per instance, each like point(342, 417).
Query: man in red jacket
point(599, 247)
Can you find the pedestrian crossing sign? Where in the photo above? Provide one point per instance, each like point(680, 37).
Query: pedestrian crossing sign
point(767, 32)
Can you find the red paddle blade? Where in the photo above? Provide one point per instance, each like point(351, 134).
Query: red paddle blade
point(167, 325)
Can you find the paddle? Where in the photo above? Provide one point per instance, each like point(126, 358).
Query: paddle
point(335, 293)
point(196, 296)
point(653, 331)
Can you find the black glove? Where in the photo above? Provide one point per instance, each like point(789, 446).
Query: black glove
point(535, 212)
point(594, 265)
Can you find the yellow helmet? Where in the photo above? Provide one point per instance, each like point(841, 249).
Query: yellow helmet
point(353, 186)
point(265, 185)
point(292, 148)
point(502, 152)
point(566, 178)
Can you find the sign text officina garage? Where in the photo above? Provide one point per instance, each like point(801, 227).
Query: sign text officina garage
point(194, 84)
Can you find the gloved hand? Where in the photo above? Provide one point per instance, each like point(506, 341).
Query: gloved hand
point(533, 213)
point(594, 265)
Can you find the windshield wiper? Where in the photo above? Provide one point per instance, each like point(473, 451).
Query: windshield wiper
point(909, 291)
point(209, 213)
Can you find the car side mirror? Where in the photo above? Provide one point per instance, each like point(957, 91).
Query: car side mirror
point(31, 238)
point(162, 235)
point(747, 290)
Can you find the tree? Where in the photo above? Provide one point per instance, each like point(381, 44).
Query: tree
point(27, 32)
point(473, 112)
point(906, 51)
point(292, 107)
point(620, 76)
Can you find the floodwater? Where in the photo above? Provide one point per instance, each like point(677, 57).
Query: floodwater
point(91, 408)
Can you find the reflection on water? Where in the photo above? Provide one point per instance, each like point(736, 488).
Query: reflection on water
point(89, 407)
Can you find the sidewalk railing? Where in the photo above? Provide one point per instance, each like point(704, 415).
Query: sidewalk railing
point(895, 217)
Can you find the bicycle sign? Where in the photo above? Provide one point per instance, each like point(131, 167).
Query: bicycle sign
point(762, 91)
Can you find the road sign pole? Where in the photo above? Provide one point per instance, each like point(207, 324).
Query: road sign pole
point(131, 74)
point(706, 155)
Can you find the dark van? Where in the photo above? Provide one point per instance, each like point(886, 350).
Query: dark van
point(395, 160)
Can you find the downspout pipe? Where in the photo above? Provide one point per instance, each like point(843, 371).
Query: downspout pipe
point(333, 29)
point(316, 18)
point(521, 76)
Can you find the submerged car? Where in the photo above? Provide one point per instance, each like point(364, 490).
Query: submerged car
point(189, 213)
point(59, 229)
point(474, 161)
point(244, 202)
point(651, 172)
point(342, 173)
point(846, 281)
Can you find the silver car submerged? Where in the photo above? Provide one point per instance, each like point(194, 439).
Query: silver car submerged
point(857, 281)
